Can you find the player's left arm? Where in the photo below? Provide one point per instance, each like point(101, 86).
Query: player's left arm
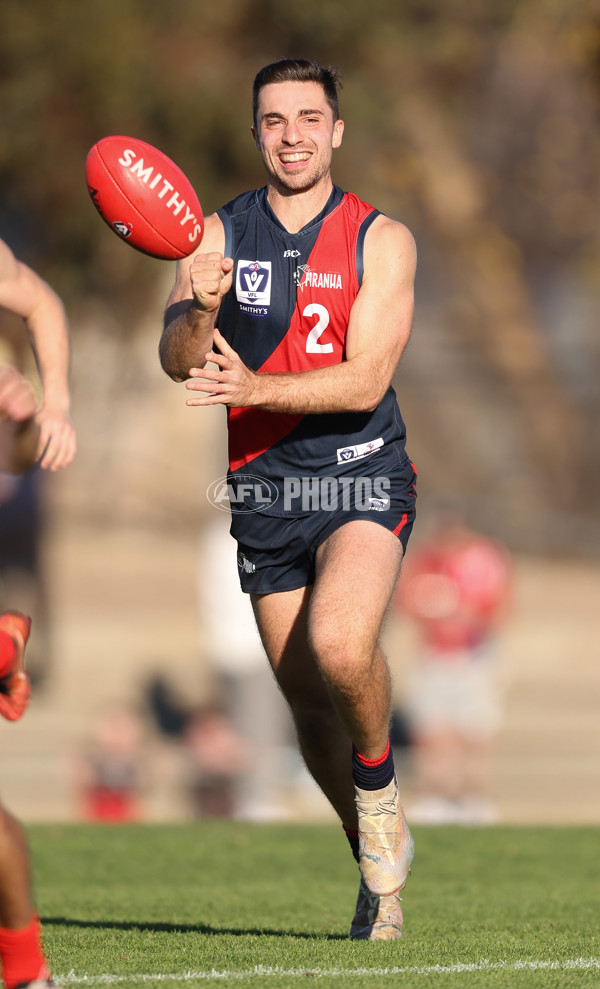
point(378, 331)
point(25, 293)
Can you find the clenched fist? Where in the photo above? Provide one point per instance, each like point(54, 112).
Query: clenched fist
point(211, 276)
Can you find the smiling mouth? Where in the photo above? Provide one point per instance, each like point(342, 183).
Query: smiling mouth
point(290, 159)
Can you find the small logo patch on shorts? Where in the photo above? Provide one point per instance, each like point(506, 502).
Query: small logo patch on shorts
point(346, 453)
point(245, 564)
point(379, 504)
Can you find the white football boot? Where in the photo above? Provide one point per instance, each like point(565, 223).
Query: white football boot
point(385, 844)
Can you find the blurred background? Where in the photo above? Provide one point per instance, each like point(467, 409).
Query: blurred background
point(476, 125)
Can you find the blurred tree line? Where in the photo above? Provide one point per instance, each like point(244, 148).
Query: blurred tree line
point(476, 124)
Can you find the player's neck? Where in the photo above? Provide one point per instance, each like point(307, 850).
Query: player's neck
point(295, 209)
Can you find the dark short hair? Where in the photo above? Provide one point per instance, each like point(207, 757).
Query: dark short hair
point(299, 70)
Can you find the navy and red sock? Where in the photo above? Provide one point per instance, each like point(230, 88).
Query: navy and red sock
point(373, 774)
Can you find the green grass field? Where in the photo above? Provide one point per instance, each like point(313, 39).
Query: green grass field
point(225, 903)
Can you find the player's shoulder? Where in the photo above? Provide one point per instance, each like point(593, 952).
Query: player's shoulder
point(389, 249)
point(213, 238)
point(390, 232)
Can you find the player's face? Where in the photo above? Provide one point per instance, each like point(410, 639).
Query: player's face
point(295, 133)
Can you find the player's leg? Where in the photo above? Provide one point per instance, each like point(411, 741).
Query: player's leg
point(356, 572)
point(16, 907)
point(21, 950)
point(437, 756)
point(323, 740)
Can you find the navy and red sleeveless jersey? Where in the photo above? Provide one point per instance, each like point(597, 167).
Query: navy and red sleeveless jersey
point(288, 310)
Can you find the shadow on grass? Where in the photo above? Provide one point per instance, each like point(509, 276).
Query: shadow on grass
point(123, 925)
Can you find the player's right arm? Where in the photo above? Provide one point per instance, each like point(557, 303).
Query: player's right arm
point(193, 305)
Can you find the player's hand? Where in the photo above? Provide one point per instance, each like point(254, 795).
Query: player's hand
point(15, 686)
point(231, 383)
point(17, 398)
point(13, 703)
point(211, 276)
point(57, 443)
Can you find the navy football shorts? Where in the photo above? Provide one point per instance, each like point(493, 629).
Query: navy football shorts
point(276, 551)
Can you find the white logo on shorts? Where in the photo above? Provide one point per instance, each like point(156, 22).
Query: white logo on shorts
point(379, 504)
point(245, 564)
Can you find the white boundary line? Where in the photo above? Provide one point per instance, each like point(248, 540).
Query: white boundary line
point(264, 971)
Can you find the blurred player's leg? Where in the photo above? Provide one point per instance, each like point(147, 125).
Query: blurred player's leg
point(21, 952)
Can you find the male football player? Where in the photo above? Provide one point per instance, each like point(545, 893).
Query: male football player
point(302, 296)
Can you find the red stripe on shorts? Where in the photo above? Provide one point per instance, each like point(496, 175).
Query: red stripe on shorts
point(401, 524)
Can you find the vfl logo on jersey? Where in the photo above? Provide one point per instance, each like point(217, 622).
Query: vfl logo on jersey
point(346, 453)
point(253, 287)
point(307, 278)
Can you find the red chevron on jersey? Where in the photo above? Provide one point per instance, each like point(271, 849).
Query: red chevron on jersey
point(327, 286)
point(252, 431)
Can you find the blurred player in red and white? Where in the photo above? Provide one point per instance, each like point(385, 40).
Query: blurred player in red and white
point(456, 587)
point(26, 434)
point(21, 952)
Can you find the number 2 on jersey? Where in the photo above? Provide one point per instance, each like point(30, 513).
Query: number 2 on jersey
point(312, 341)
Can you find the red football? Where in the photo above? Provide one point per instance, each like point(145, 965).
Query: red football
point(144, 197)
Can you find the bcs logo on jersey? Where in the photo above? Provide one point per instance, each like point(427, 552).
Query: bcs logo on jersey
point(253, 287)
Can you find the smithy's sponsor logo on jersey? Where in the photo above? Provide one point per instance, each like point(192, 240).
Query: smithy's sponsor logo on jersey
point(359, 451)
point(253, 287)
point(307, 278)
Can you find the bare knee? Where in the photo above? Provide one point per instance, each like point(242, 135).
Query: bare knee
point(340, 655)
